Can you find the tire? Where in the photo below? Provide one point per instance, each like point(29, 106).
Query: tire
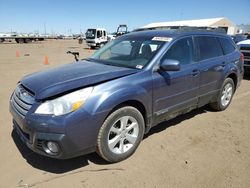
point(1, 40)
point(225, 96)
point(20, 40)
point(116, 142)
point(27, 40)
point(101, 45)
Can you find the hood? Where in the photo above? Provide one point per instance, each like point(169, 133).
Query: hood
point(72, 76)
point(244, 42)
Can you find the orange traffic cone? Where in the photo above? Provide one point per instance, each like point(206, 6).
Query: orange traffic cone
point(46, 60)
point(17, 54)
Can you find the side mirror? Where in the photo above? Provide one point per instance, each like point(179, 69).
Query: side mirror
point(170, 65)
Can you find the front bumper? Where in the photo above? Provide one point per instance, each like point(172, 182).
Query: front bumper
point(39, 143)
point(247, 66)
point(92, 44)
point(75, 134)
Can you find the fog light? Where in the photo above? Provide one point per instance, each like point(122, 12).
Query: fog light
point(53, 147)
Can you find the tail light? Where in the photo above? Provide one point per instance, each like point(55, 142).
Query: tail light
point(241, 57)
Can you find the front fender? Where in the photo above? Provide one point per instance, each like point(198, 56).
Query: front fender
point(106, 101)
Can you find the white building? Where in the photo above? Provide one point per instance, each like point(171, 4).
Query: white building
point(222, 22)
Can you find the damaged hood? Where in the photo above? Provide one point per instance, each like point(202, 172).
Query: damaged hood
point(72, 76)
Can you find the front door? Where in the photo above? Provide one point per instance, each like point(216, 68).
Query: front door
point(176, 90)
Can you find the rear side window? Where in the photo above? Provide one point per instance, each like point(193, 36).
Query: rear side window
point(209, 47)
point(182, 50)
point(227, 45)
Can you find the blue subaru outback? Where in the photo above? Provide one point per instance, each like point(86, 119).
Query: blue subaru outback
point(106, 103)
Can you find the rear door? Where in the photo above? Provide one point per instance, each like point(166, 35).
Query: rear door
point(211, 66)
point(232, 55)
point(176, 90)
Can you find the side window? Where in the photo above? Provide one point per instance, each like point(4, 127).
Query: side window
point(227, 45)
point(104, 33)
point(99, 34)
point(182, 50)
point(209, 47)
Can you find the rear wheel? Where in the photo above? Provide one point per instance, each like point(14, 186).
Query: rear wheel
point(120, 134)
point(225, 97)
point(1, 40)
point(20, 40)
point(27, 40)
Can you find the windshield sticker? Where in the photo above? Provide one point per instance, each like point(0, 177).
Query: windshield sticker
point(139, 66)
point(164, 39)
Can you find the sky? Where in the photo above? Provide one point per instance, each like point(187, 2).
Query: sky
point(75, 16)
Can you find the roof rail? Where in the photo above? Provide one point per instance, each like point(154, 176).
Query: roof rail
point(186, 29)
point(207, 29)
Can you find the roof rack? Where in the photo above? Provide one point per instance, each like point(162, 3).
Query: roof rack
point(186, 29)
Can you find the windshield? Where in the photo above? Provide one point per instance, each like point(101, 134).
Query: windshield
point(128, 52)
point(90, 34)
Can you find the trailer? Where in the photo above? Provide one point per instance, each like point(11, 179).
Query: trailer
point(20, 38)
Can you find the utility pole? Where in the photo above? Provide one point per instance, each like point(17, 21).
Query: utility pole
point(44, 28)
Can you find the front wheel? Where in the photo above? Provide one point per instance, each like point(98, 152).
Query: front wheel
point(101, 45)
point(120, 134)
point(225, 96)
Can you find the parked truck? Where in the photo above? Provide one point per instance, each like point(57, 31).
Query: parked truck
point(244, 47)
point(96, 37)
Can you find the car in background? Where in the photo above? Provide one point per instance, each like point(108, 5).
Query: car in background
point(111, 36)
point(239, 37)
point(107, 102)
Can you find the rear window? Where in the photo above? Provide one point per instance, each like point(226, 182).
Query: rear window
point(209, 47)
point(227, 45)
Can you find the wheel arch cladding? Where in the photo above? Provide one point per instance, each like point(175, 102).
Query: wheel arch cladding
point(136, 104)
point(233, 76)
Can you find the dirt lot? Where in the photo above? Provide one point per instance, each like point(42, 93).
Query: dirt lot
point(199, 149)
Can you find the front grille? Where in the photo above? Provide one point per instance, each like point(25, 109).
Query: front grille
point(22, 100)
point(91, 42)
point(245, 48)
point(246, 52)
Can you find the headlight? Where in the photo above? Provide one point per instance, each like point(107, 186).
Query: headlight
point(65, 104)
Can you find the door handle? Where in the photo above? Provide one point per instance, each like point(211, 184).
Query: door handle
point(195, 72)
point(223, 64)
